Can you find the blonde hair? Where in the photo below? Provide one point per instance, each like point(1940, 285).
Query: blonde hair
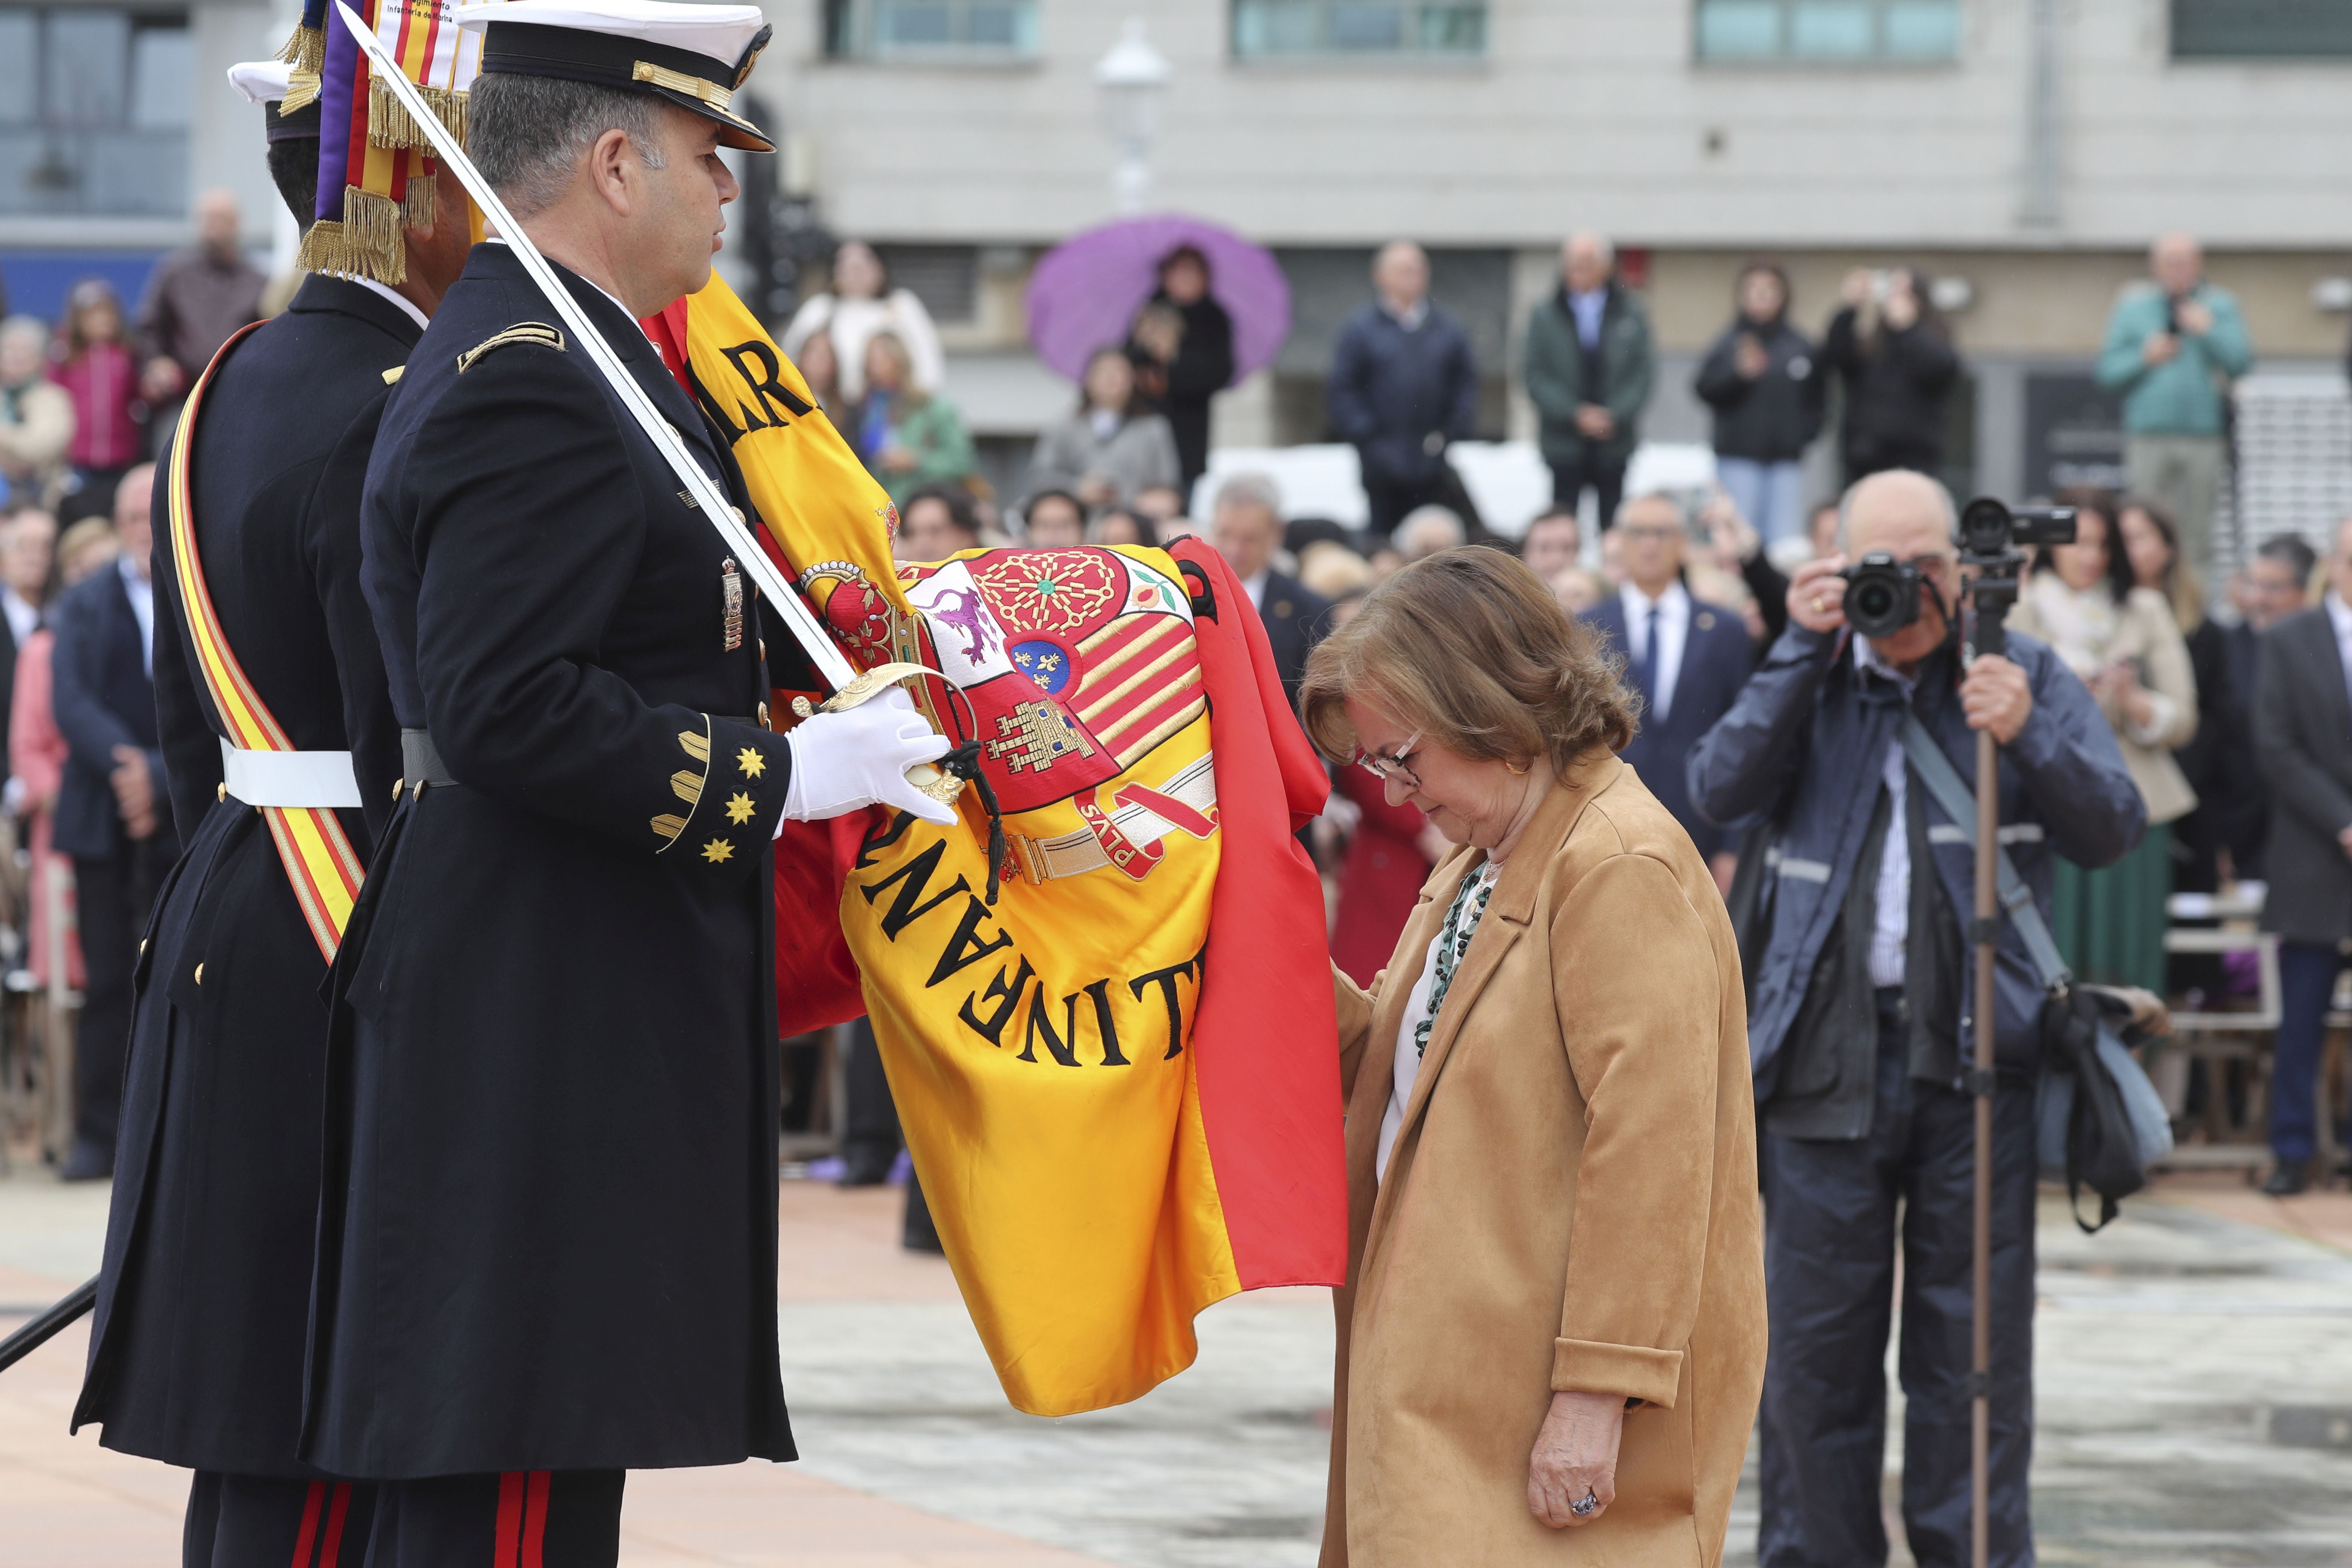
point(1468, 647)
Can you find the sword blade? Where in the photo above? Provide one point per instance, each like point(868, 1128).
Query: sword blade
point(830, 661)
point(41, 1329)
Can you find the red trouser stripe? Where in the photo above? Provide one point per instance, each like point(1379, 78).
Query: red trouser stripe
point(310, 1532)
point(534, 1519)
point(333, 1546)
point(511, 1488)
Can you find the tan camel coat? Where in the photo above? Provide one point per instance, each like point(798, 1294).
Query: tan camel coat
point(1571, 1204)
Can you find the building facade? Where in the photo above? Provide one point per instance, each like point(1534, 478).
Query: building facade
point(2024, 152)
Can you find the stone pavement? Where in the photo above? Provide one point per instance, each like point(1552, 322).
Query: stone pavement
point(2195, 1409)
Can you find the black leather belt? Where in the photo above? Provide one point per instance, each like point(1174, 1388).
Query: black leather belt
point(421, 763)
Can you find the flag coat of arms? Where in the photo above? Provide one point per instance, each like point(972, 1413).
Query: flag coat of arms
point(1112, 1052)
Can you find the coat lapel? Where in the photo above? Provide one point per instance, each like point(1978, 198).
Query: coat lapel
point(1508, 915)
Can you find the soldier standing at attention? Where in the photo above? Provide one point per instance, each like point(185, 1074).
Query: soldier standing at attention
point(548, 1231)
point(197, 1354)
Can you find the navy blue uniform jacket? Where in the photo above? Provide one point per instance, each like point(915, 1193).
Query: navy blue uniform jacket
point(547, 1228)
point(196, 1358)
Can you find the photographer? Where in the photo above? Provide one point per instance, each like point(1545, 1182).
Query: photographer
point(1896, 365)
point(1861, 1012)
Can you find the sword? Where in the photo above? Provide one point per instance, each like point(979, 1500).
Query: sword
point(41, 1329)
point(850, 686)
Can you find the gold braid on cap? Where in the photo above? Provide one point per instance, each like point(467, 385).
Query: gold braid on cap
point(709, 92)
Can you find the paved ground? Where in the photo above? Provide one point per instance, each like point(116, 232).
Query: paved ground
point(2195, 1408)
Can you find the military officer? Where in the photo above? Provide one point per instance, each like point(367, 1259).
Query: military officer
point(196, 1353)
point(548, 1237)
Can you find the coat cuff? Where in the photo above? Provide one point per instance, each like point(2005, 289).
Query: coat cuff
point(731, 778)
point(1637, 1372)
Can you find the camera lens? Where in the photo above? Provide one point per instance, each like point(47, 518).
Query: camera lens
point(1871, 603)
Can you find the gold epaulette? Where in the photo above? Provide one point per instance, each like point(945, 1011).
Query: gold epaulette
point(392, 377)
point(537, 333)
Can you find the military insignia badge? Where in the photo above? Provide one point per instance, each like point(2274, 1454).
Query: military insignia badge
point(731, 599)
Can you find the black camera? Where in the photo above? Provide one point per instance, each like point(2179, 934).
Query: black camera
point(1989, 529)
point(1882, 595)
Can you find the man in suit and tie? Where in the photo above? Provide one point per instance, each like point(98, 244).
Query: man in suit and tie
point(28, 545)
point(2303, 745)
point(1246, 527)
point(113, 817)
point(1687, 659)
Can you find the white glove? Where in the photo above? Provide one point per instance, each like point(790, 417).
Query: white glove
point(859, 757)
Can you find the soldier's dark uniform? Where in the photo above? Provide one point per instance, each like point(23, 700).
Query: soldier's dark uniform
point(196, 1353)
point(549, 1242)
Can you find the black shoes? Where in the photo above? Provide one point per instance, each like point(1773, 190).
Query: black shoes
point(2286, 1180)
point(87, 1162)
point(864, 1168)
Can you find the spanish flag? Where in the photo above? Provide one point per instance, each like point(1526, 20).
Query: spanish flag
point(1112, 1052)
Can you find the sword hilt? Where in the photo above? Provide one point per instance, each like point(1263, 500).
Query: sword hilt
point(929, 777)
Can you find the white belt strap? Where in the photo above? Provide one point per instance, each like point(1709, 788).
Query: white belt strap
point(289, 778)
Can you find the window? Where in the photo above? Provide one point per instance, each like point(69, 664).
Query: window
point(1277, 28)
point(94, 111)
point(945, 278)
point(930, 30)
point(2259, 30)
point(1829, 32)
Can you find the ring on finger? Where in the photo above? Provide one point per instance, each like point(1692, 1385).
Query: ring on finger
point(1586, 1506)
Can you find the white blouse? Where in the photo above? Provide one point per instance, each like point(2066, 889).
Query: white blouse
point(1477, 886)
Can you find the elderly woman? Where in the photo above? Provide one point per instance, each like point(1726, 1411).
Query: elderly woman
point(1552, 1334)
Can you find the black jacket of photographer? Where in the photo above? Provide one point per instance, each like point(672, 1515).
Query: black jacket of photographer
point(1771, 417)
point(1804, 749)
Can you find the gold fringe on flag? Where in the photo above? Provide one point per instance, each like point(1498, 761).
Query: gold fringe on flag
point(417, 208)
point(389, 124)
point(305, 51)
point(364, 243)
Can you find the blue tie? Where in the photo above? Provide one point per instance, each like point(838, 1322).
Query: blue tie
point(1645, 668)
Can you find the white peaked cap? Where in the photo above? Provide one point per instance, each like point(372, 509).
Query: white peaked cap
point(260, 81)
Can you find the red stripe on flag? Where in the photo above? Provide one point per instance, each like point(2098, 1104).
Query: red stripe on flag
point(534, 1519)
point(510, 1538)
point(336, 1510)
point(1262, 1038)
point(310, 1531)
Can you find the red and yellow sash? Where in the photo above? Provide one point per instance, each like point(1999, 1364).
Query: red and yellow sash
point(321, 865)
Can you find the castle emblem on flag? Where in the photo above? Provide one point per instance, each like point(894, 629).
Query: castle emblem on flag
point(1036, 735)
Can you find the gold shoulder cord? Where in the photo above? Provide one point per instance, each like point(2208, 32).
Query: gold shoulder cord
point(537, 333)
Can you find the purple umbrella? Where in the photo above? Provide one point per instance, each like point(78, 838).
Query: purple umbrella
point(1086, 290)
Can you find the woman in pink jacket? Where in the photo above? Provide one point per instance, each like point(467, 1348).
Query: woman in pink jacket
point(99, 374)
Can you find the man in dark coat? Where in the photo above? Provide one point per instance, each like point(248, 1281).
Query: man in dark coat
point(1245, 526)
point(548, 1227)
point(2302, 744)
point(196, 1351)
point(1863, 1008)
point(113, 815)
point(1403, 385)
point(1687, 659)
point(1589, 368)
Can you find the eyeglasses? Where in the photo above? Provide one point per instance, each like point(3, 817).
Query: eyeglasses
point(1392, 766)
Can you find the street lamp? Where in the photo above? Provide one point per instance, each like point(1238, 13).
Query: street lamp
point(1133, 77)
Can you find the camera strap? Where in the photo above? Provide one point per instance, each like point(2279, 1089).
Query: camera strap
point(1959, 803)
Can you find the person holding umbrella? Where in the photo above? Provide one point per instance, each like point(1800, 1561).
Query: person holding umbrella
point(1196, 306)
point(1183, 349)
